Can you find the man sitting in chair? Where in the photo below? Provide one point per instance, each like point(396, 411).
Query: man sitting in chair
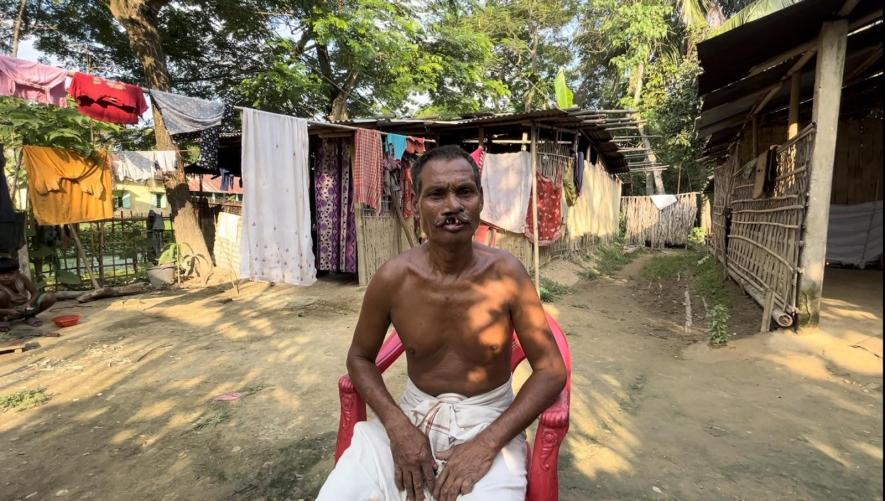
point(19, 299)
point(458, 431)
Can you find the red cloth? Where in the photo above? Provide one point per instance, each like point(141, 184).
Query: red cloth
point(107, 100)
point(478, 155)
point(368, 170)
point(415, 145)
point(549, 212)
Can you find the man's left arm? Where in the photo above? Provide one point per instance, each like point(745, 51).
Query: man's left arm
point(469, 462)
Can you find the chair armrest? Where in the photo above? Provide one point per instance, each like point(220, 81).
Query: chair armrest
point(553, 425)
point(353, 410)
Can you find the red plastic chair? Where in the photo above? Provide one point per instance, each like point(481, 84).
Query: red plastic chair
point(543, 474)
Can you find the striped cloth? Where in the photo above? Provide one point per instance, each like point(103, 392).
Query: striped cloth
point(368, 174)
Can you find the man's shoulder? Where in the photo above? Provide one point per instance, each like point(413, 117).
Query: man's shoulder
point(500, 259)
point(395, 268)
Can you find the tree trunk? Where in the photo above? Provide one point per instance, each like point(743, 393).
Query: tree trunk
point(140, 18)
point(17, 31)
point(656, 187)
point(340, 97)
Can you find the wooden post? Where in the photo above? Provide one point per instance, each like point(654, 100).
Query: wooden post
point(82, 253)
point(481, 137)
point(536, 254)
point(795, 91)
point(754, 147)
point(825, 114)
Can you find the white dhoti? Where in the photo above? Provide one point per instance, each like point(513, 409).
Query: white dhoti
point(366, 471)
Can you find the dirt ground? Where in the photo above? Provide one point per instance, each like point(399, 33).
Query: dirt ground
point(656, 413)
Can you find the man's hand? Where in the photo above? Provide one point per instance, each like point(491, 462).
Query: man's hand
point(466, 464)
point(413, 461)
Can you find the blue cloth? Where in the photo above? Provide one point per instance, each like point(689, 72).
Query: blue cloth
point(396, 144)
point(579, 172)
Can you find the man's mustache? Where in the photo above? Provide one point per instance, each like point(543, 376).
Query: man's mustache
point(456, 218)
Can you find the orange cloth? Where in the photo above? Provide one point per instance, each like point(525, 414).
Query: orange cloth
point(64, 187)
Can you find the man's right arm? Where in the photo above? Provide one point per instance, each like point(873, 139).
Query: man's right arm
point(412, 456)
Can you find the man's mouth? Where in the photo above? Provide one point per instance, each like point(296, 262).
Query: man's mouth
point(453, 223)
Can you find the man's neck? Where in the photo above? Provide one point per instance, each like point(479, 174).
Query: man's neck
point(452, 259)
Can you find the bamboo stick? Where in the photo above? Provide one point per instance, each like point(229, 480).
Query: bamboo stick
point(536, 259)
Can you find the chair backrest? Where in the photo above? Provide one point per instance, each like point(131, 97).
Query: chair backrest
point(393, 348)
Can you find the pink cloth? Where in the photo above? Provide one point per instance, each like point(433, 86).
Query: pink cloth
point(32, 81)
point(368, 171)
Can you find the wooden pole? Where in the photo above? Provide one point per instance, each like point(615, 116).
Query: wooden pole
point(795, 91)
point(82, 254)
point(536, 254)
point(825, 114)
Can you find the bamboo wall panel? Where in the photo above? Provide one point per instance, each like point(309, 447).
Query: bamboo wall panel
point(723, 177)
point(646, 224)
point(764, 239)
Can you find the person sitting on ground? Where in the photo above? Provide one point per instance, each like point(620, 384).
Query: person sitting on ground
point(458, 431)
point(19, 299)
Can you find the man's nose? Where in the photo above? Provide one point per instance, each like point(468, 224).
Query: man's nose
point(453, 204)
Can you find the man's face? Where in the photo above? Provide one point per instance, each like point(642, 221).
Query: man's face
point(449, 202)
point(7, 278)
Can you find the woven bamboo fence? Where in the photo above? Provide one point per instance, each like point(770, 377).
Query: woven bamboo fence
point(764, 239)
point(645, 224)
point(379, 238)
point(723, 180)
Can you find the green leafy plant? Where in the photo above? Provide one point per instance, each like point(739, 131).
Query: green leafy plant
point(551, 291)
point(718, 325)
point(182, 256)
point(24, 399)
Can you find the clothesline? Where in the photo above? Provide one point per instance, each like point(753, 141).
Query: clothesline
point(313, 122)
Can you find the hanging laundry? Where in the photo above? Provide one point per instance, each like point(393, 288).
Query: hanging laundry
point(368, 170)
point(663, 201)
point(579, 218)
point(579, 171)
point(570, 193)
point(408, 163)
point(33, 81)
point(336, 233)
point(208, 140)
point(397, 144)
point(506, 186)
point(477, 157)
point(107, 100)
point(414, 145)
point(64, 187)
point(182, 114)
point(549, 211)
point(141, 166)
point(276, 244)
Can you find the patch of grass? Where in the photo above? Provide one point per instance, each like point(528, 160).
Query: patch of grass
point(212, 418)
point(551, 291)
point(707, 280)
point(589, 273)
point(611, 258)
point(24, 399)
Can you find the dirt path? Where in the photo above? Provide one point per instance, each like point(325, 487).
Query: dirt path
point(132, 415)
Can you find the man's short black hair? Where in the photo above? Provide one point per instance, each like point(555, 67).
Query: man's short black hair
point(448, 152)
point(8, 265)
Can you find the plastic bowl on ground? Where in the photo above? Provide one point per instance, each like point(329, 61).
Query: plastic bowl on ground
point(66, 320)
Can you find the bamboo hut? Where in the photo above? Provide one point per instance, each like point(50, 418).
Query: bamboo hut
point(553, 136)
point(795, 128)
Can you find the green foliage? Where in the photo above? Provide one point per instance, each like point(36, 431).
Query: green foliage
point(753, 11)
point(718, 325)
point(24, 399)
point(565, 98)
point(26, 123)
point(551, 291)
point(182, 256)
point(697, 236)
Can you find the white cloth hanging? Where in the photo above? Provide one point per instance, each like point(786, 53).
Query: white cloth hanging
point(506, 189)
point(275, 244)
point(663, 201)
point(141, 165)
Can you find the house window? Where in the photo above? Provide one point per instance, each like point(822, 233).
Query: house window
point(122, 200)
point(160, 200)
